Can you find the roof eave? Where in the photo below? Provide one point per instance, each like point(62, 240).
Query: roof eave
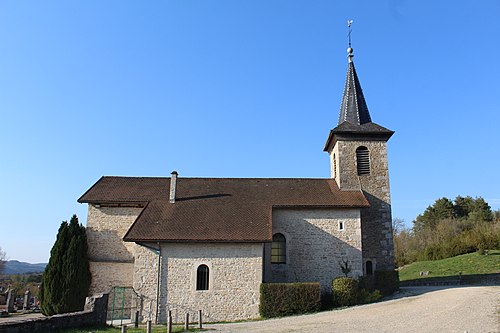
point(164, 240)
point(114, 202)
point(334, 135)
point(360, 205)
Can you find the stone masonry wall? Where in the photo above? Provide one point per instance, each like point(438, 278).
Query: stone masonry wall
point(334, 164)
point(94, 314)
point(146, 278)
point(106, 275)
point(235, 275)
point(106, 227)
point(315, 245)
point(376, 220)
point(111, 259)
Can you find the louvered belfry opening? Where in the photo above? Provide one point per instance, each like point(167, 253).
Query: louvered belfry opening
point(363, 161)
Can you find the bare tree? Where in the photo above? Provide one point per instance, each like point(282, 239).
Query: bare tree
point(345, 267)
point(3, 260)
point(398, 225)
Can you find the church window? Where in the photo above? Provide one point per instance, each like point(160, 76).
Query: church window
point(369, 267)
point(363, 160)
point(341, 225)
point(202, 277)
point(278, 249)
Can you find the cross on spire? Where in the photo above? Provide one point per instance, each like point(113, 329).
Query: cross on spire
point(349, 22)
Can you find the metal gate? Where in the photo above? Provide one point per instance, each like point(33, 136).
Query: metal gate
point(124, 305)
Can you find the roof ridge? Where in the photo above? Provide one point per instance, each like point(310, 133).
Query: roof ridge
point(225, 178)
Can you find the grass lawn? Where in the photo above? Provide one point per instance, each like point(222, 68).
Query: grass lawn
point(154, 329)
point(466, 264)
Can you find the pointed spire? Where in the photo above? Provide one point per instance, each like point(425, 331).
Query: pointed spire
point(353, 108)
point(354, 119)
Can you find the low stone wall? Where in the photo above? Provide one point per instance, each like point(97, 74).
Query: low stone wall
point(456, 280)
point(94, 314)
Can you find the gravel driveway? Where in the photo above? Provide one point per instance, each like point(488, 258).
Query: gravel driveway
point(414, 309)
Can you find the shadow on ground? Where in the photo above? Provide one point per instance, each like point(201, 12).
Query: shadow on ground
point(425, 285)
point(455, 280)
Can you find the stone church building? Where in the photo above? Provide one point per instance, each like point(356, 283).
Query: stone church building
point(187, 244)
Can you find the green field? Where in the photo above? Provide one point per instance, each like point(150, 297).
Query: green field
point(154, 329)
point(467, 264)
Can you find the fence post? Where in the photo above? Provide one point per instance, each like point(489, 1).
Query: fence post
point(200, 322)
point(148, 326)
point(123, 305)
point(113, 307)
point(187, 322)
point(136, 322)
point(169, 321)
point(124, 328)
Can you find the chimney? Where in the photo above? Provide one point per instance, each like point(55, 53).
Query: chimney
point(173, 186)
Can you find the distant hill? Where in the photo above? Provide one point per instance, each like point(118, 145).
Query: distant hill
point(18, 267)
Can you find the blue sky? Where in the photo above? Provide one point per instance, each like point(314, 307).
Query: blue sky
point(237, 89)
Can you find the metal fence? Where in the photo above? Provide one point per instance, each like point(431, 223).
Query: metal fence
point(124, 305)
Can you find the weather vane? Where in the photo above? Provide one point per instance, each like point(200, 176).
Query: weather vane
point(349, 22)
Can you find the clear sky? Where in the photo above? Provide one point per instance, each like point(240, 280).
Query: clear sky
point(230, 88)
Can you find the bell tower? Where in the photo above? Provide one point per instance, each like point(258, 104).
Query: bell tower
point(358, 161)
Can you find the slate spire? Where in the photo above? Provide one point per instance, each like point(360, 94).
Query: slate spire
point(353, 108)
point(354, 119)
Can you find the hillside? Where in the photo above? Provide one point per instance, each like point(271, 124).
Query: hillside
point(19, 267)
point(466, 264)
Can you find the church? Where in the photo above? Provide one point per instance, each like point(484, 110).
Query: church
point(187, 244)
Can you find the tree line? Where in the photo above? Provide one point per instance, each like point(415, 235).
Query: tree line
point(446, 229)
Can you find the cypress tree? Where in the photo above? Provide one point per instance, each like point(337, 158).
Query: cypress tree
point(66, 279)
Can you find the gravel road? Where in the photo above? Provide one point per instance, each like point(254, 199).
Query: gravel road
point(414, 309)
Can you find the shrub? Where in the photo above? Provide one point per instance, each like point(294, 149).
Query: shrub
point(349, 291)
point(366, 296)
point(387, 281)
point(345, 291)
point(326, 301)
point(285, 299)
point(367, 282)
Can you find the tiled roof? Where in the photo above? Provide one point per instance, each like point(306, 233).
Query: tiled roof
point(215, 209)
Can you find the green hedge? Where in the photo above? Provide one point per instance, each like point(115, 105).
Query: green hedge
point(348, 291)
point(345, 291)
point(387, 281)
point(285, 299)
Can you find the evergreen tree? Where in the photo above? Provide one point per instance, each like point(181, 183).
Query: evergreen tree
point(66, 279)
point(476, 209)
point(442, 209)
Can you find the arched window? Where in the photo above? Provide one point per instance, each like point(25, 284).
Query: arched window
point(202, 277)
point(369, 267)
point(278, 249)
point(363, 160)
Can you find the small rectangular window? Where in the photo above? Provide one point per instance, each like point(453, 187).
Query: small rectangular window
point(341, 225)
